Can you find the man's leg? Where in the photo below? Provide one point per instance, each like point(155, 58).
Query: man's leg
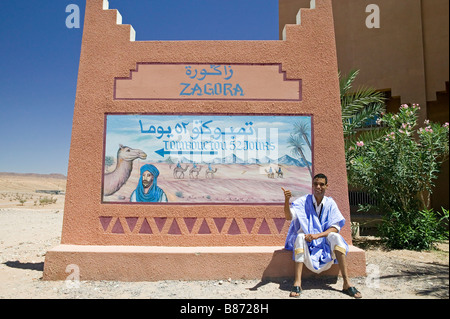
point(297, 278)
point(342, 260)
point(299, 257)
point(337, 244)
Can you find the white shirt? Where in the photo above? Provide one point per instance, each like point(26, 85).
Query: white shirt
point(318, 208)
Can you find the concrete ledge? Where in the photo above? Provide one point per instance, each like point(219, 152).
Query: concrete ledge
point(143, 263)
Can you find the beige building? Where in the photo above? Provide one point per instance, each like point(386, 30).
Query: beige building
point(400, 47)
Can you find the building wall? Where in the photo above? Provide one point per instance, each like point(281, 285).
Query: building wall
point(408, 55)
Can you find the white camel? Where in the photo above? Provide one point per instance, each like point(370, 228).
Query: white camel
point(279, 172)
point(270, 174)
point(116, 179)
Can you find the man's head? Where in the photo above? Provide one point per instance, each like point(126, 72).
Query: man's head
point(149, 174)
point(320, 184)
point(147, 179)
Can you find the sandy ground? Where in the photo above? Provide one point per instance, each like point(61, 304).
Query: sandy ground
point(27, 232)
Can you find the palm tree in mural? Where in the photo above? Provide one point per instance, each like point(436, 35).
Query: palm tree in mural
point(303, 129)
point(359, 108)
point(297, 144)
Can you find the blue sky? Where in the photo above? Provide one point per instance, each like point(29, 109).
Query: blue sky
point(39, 58)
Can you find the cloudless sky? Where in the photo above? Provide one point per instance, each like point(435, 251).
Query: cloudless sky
point(39, 58)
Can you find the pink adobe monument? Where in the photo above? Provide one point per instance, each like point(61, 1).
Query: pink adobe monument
point(221, 126)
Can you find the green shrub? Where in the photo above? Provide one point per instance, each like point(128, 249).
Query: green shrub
point(396, 170)
point(414, 230)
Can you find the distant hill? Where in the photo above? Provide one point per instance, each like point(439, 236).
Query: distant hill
point(287, 160)
point(52, 175)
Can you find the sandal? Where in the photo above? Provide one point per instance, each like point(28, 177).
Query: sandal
point(352, 291)
point(297, 290)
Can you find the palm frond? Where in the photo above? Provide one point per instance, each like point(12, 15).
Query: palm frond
point(355, 102)
point(359, 106)
point(302, 128)
point(345, 82)
point(296, 142)
point(366, 136)
point(360, 119)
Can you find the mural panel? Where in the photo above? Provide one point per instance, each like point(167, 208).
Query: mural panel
point(206, 159)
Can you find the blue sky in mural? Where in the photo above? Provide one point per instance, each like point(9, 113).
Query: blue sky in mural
point(39, 59)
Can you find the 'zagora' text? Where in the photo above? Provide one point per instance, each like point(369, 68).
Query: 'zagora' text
point(218, 89)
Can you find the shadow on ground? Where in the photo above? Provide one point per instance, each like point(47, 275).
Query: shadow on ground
point(30, 266)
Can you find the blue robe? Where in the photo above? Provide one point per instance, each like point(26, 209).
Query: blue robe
point(305, 217)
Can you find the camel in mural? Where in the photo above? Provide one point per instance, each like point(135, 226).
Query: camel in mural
point(210, 173)
point(195, 170)
point(178, 172)
point(114, 180)
point(270, 174)
point(279, 172)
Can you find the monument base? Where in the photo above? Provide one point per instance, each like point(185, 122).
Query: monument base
point(142, 263)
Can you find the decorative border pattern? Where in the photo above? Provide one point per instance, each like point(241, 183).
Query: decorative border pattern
point(158, 226)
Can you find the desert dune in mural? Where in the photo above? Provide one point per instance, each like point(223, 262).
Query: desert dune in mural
point(233, 183)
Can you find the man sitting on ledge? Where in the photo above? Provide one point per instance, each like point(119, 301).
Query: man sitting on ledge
point(313, 235)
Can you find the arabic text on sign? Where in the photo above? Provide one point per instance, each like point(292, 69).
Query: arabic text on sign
point(216, 70)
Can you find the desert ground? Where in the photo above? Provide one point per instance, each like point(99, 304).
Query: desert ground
point(31, 223)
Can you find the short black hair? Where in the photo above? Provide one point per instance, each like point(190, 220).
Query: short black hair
point(321, 176)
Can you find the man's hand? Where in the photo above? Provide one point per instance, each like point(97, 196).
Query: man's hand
point(310, 237)
point(287, 210)
point(287, 194)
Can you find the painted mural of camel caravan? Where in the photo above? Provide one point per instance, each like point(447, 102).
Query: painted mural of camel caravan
point(280, 173)
point(270, 173)
point(114, 180)
point(195, 171)
point(178, 171)
point(210, 172)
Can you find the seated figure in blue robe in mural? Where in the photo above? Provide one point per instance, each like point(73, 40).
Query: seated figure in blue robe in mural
point(314, 237)
point(147, 189)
